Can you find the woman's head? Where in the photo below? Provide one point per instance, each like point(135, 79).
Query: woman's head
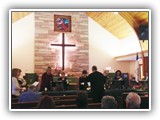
point(16, 72)
point(118, 73)
point(63, 74)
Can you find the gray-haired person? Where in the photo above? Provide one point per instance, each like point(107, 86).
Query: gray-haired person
point(108, 102)
point(133, 101)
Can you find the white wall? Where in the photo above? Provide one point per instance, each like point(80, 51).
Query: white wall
point(23, 44)
point(129, 45)
point(103, 46)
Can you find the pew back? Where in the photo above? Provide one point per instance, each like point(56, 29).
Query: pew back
point(30, 105)
point(144, 100)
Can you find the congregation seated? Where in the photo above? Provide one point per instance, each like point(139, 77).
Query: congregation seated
point(46, 102)
point(108, 102)
point(82, 100)
point(133, 101)
point(30, 95)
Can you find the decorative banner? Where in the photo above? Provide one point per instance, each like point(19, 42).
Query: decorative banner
point(62, 23)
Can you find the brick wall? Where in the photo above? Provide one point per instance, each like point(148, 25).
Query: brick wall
point(77, 58)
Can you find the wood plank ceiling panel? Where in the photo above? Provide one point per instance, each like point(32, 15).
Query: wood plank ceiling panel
point(19, 15)
point(112, 22)
point(120, 25)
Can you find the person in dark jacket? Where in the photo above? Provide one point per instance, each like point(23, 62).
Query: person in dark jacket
point(64, 81)
point(47, 78)
point(83, 81)
point(97, 84)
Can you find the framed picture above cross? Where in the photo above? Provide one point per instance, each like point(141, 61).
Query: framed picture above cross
point(62, 23)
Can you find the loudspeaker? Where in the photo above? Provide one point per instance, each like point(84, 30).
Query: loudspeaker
point(143, 32)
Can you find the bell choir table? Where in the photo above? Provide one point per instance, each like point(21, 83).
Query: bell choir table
point(72, 82)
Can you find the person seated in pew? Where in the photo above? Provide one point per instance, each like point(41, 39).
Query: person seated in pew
point(30, 95)
point(133, 101)
point(82, 100)
point(83, 81)
point(108, 102)
point(16, 88)
point(46, 102)
point(64, 81)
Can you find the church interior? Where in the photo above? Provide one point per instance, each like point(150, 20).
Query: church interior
point(109, 40)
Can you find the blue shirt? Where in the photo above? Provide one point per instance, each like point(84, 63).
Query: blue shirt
point(29, 96)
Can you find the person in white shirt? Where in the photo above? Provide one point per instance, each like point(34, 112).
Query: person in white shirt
point(15, 85)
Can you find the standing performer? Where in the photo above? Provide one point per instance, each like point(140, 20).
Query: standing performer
point(47, 78)
point(97, 84)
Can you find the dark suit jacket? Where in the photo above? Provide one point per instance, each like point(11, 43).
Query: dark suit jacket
point(97, 85)
point(46, 81)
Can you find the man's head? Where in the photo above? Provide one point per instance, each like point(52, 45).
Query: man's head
point(84, 73)
point(133, 100)
point(49, 70)
point(106, 72)
point(108, 102)
point(94, 68)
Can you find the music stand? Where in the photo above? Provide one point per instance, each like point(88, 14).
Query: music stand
point(118, 84)
point(59, 86)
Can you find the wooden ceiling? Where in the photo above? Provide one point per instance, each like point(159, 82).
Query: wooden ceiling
point(19, 15)
point(120, 25)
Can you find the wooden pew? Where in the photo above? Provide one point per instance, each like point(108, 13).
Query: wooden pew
point(63, 97)
point(69, 101)
point(24, 105)
point(14, 100)
point(90, 106)
point(30, 105)
point(66, 106)
point(94, 106)
point(54, 97)
point(144, 102)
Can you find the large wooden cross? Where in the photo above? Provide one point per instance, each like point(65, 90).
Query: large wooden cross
point(63, 45)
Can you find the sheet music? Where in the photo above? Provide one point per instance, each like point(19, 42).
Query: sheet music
point(35, 83)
